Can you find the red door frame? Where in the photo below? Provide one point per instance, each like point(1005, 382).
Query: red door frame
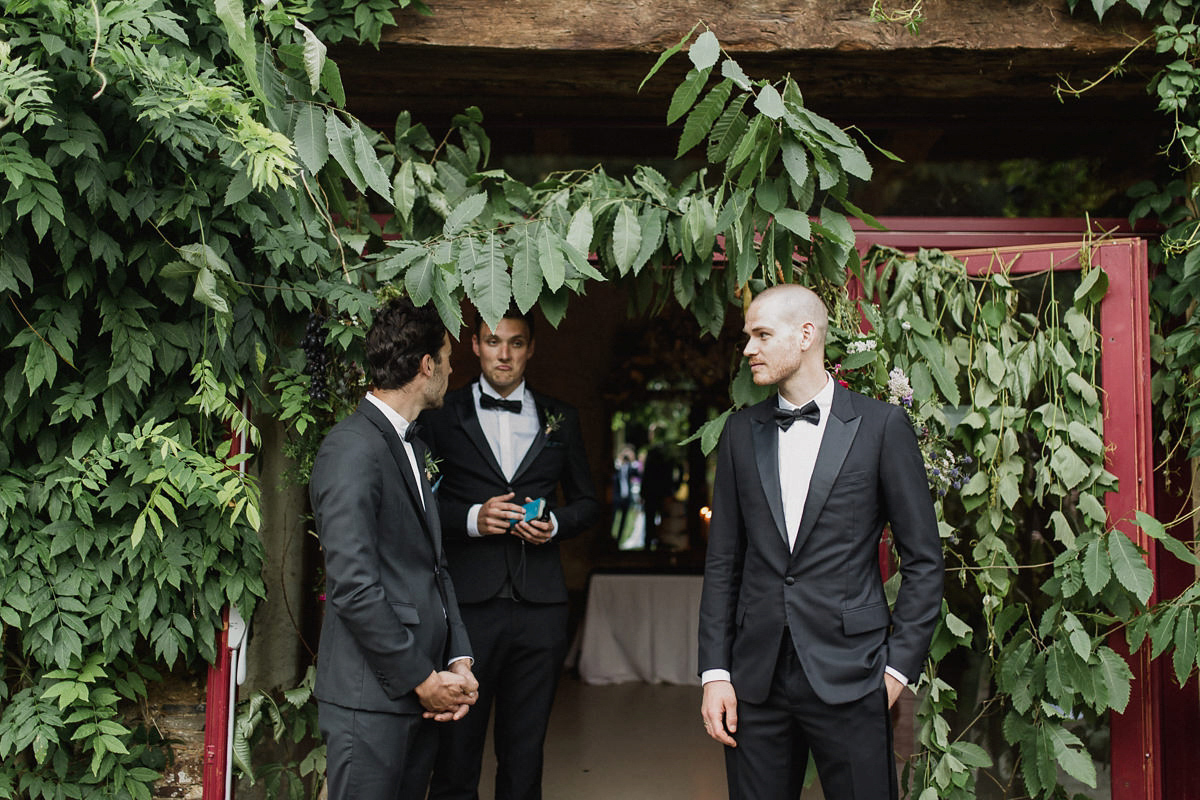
point(1025, 246)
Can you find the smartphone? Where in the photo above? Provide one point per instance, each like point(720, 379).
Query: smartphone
point(534, 509)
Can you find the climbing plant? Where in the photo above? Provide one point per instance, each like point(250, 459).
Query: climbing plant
point(187, 200)
point(1002, 385)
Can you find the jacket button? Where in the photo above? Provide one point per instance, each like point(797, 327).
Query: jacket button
point(789, 580)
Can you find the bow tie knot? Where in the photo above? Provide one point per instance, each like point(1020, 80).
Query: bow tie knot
point(784, 417)
point(486, 401)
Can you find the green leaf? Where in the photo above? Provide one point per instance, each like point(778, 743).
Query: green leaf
point(464, 213)
point(709, 433)
point(732, 70)
point(651, 223)
point(1071, 755)
point(489, 287)
point(341, 146)
point(1128, 566)
point(626, 238)
point(1100, 7)
point(404, 190)
point(419, 279)
point(662, 59)
point(1184, 657)
point(1068, 466)
point(796, 222)
point(1116, 675)
point(705, 51)
point(769, 102)
point(579, 233)
point(956, 626)
point(1156, 530)
point(1092, 287)
point(207, 293)
point(554, 306)
point(1083, 388)
point(1097, 567)
point(686, 93)
point(554, 265)
point(1062, 528)
point(241, 39)
point(314, 57)
point(1090, 505)
point(309, 135)
point(526, 270)
point(1085, 437)
point(702, 117)
point(368, 164)
point(727, 130)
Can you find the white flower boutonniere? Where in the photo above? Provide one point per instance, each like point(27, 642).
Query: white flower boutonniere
point(553, 422)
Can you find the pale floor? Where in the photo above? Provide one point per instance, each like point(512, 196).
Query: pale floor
point(629, 741)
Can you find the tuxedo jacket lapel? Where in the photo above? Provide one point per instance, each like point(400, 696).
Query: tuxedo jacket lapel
point(396, 447)
point(840, 430)
point(469, 419)
point(539, 441)
point(766, 455)
point(431, 507)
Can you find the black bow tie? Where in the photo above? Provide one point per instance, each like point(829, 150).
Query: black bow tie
point(410, 432)
point(784, 417)
point(487, 401)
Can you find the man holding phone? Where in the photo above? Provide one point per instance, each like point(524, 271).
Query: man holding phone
point(500, 449)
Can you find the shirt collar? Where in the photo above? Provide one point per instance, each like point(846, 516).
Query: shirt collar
point(823, 398)
point(398, 422)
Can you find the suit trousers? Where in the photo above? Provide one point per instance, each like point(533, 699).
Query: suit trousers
point(373, 755)
point(519, 651)
point(851, 743)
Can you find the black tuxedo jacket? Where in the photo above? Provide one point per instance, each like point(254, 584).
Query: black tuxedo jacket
point(827, 591)
point(391, 616)
point(470, 474)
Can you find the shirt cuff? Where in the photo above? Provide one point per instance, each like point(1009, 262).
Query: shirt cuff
point(473, 521)
point(710, 675)
point(897, 674)
point(553, 525)
point(461, 658)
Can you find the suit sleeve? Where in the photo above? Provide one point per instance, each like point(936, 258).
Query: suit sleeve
point(722, 564)
point(915, 535)
point(458, 644)
point(581, 509)
point(346, 490)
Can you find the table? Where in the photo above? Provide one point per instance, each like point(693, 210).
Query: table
point(640, 627)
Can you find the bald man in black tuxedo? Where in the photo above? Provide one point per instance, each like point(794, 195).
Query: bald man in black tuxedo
point(799, 651)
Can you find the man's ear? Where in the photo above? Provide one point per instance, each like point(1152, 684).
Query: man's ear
point(428, 365)
point(475, 343)
point(532, 342)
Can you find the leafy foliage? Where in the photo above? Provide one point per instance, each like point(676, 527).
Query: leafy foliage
point(158, 238)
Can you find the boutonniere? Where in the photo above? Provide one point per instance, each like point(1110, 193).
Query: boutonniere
point(432, 470)
point(553, 422)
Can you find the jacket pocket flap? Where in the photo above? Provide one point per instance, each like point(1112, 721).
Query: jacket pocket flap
point(865, 618)
point(407, 613)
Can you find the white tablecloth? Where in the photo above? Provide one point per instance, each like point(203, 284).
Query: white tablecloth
point(641, 628)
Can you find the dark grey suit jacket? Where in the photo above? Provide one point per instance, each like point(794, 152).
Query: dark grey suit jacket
point(391, 616)
point(470, 475)
point(827, 591)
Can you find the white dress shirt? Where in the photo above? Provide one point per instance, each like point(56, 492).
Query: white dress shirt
point(798, 448)
point(401, 425)
point(510, 436)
